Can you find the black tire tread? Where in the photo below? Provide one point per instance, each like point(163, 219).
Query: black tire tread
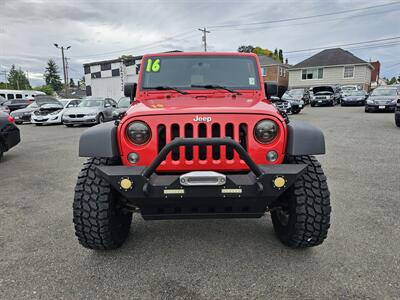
point(94, 210)
point(310, 218)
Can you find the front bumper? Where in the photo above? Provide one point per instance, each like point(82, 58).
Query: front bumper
point(381, 107)
point(22, 118)
point(352, 102)
point(322, 101)
point(47, 119)
point(162, 196)
point(82, 120)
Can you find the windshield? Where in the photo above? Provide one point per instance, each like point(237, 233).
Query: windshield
point(384, 92)
point(235, 72)
point(349, 88)
point(91, 103)
point(124, 102)
point(355, 93)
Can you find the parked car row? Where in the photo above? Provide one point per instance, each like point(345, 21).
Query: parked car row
point(49, 110)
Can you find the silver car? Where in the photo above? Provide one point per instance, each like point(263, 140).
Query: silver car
point(92, 110)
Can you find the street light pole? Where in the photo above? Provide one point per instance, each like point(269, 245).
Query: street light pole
point(64, 69)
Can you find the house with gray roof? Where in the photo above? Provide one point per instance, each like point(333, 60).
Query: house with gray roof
point(331, 67)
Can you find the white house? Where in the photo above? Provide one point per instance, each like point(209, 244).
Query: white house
point(331, 67)
point(107, 78)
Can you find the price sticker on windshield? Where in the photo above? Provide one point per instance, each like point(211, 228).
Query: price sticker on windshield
point(153, 65)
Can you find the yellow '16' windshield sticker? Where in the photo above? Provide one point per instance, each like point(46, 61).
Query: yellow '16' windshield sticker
point(153, 66)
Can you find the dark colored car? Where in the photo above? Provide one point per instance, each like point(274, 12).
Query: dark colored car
point(17, 104)
point(297, 98)
point(24, 115)
point(382, 99)
point(325, 95)
point(397, 114)
point(9, 133)
point(354, 98)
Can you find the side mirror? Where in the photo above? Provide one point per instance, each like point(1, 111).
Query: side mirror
point(130, 90)
point(107, 105)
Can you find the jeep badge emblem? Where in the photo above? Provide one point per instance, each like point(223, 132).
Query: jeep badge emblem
point(202, 119)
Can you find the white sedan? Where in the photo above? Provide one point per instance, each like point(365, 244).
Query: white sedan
point(52, 113)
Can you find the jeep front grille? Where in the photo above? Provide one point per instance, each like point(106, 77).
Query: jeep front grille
point(166, 133)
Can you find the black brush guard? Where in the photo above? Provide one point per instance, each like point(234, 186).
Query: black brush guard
point(161, 196)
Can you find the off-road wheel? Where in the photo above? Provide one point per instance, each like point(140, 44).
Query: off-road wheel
point(99, 219)
point(303, 216)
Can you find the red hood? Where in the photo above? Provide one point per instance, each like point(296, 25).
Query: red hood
point(204, 103)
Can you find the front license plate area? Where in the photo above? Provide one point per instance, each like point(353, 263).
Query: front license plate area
point(382, 106)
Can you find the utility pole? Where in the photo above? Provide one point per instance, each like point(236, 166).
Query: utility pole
point(64, 69)
point(204, 37)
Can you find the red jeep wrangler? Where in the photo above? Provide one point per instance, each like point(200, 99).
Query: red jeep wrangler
point(201, 140)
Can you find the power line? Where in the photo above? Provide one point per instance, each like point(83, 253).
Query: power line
point(342, 45)
point(142, 47)
point(305, 23)
point(306, 17)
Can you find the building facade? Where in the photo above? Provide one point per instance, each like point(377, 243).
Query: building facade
point(331, 67)
point(275, 75)
point(107, 78)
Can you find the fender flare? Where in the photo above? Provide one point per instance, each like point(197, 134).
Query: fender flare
point(304, 139)
point(99, 141)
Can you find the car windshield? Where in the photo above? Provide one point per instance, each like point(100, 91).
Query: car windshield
point(124, 102)
point(349, 88)
point(355, 93)
point(384, 92)
point(193, 72)
point(91, 103)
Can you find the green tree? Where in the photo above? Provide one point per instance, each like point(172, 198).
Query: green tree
point(280, 55)
point(17, 79)
point(47, 89)
point(246, 49)
point(51, 76)
point(392, 81)
point(81, 83)
point(72, 83)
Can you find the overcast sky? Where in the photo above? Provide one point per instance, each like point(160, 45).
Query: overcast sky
point(99, 30)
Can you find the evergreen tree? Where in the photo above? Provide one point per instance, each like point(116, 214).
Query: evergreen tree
point(280, 55)
point(51, 76)
point(17, 79)
point(71, 83)
point(247, 49)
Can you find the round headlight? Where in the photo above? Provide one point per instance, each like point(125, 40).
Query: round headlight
point(138, 132)
point(265, 131)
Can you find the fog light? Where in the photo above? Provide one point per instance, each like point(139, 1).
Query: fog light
point(126, 184)
point(279, 182)
point(272, 156)
point(133, 157)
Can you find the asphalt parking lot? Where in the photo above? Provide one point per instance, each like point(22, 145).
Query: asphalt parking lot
point(206, 259)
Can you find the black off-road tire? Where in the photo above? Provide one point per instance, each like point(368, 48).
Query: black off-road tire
point(304, 218)
point(100, 222)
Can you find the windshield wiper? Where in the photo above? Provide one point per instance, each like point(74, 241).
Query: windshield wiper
point(215, 87)
point(165, 88)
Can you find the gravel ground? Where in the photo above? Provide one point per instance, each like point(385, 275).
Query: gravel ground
point(40, 257)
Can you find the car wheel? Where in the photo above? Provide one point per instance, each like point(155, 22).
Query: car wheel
point(295, 111)
point(366, 109)
point(38, 124)
point(100, 119)
point(69, 125)
point(303, 217)
point(18, 122)
point(397, 119)
point(1, 151)
point(312, 104)
point(99, 219)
